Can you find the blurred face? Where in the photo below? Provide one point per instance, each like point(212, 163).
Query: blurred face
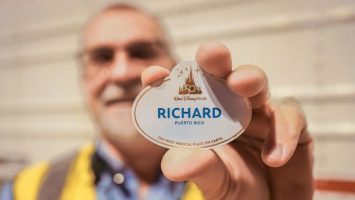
point(118, 46)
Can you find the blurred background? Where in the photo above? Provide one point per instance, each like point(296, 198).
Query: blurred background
point(306, 47)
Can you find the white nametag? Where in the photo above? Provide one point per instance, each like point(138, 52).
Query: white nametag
point(190, 109)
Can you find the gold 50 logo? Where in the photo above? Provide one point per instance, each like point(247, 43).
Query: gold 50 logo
point(190, 86)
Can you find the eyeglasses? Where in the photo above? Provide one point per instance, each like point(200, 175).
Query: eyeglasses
point(105, 55)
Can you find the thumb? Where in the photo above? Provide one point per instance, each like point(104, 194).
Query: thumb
point(203, 167)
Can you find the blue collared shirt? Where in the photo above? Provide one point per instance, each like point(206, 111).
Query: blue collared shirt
point(106, 189)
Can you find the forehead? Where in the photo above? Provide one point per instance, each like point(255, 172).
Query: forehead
point(119, 27)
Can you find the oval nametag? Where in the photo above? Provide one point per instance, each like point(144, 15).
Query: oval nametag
point(190, 109)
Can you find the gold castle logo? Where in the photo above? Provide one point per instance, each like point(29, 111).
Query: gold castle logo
point(190, 86)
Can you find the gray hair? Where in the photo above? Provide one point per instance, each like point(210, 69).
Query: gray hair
point(124, 5)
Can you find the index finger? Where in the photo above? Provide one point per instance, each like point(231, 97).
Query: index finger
point(250, 81)
point(247, 80)
point(215, 59)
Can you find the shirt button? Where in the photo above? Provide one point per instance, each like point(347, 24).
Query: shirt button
point(118, 178)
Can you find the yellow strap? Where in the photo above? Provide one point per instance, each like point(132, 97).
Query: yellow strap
point(192, 192)
point(80, 179)
point(28, 181)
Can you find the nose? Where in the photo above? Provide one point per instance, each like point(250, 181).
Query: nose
point(123, 69)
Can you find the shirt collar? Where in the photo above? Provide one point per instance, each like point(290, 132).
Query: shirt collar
point(103, 151)
point(105, 162)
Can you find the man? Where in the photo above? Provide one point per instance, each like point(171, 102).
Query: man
point(271, 160)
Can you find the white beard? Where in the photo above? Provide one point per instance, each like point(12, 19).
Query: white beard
point(118, 124)
point(115, 120)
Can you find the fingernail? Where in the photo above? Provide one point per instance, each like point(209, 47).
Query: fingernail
point(277, 151)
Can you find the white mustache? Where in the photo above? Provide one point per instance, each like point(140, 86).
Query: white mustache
point(113, 92)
